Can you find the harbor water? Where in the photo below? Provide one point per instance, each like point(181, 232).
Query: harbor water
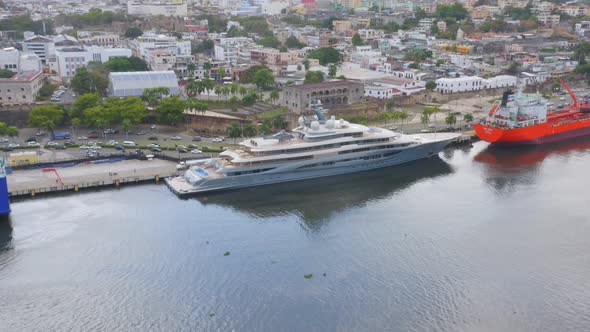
point(477, 240)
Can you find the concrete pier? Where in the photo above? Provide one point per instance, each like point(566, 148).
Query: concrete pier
point(34, 182)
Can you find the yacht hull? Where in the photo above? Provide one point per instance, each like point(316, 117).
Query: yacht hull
point(182, 188)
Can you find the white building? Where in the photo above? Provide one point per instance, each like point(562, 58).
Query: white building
point(381, 91)
point(144, 45)
point(42, 46)
point(501, 81)
point(275, 7)
point(68, 60)
point(425, 25)
point(155, 8)
point(460, 84)
point(474, 83)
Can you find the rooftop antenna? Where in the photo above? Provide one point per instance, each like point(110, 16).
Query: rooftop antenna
point(44, 28)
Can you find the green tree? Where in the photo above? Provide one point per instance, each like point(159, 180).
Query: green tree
point(314, 77)
point(269, 41)
point(356, 40)
point(430, 85)
point(12, 131)
point(221, 73)
point(234, 131)
point(451, 119)
point(332, 71)
point(468, 117)
point(217, 91)
point(580, 52)
point(325, 55)
point(133, 33)
point(247, 76)
point(455, 11)
point(250, 99)
point(132, 63)
point(46, 116)
point(274, 95)
point(306, 64)
point(126, 126)
point(46, 91)
point(293, 42)
point(264, 79)
point(84, 102)
point(89, 82)
point(171, 110)
point(249, 130)
point(152, 96)
point(130, 108)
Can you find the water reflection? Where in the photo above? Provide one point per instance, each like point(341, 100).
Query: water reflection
point(314, 200)
point(5, 233)
point(508, 168)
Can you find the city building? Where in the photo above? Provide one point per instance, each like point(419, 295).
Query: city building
point(143, 46)
point(68, 60)
point(123, 84)
point(460, 84)
point(332, 94)
point(22, 88)
point(155, 8)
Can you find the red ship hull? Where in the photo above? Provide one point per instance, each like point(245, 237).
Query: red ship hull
point(559, 127)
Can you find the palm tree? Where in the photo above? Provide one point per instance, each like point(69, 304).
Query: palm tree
point(217, 91)
point(274, 95)
point(249, 130)
point(234, 88)
point(243, 91)
point(234, 131)
point(208, 85)
point(191, 70)
point(225, 89)
point(403, 115)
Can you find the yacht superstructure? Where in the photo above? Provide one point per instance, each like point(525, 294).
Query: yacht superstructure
point(316, 148)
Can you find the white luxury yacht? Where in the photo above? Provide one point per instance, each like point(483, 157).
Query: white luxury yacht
point(317, 148)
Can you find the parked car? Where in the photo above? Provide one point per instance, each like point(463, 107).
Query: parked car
point(192, 146)
point(3, 140)
point(41, 133)
point(129, 143)
point(217, 140)
point(92, 135)
point(120, 148)
point(68, 142)
point(33, 144)
point(153, 127)
point(60, 147)
point(195, 151)
point(153, 138)
point(181, 147)
point(425, 131)
point(112, 142)
point(142, 132)
point(176, 138)
point(50, 143)
point(432, 125)
point(197, 139)
point(182, 150)
point(82, 138)
point(154, 145)
point(84, 147)
point(111, 131)
point(7, 149)
point(156, 150)
point(31, 139)
point(95, 147)
point(13, 145)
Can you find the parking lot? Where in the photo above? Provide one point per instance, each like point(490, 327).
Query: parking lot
point(148, 137)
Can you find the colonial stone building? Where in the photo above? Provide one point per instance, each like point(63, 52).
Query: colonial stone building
point(332, 94)
point(22, 88)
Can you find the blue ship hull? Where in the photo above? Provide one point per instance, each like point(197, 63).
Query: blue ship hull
point(4, 201)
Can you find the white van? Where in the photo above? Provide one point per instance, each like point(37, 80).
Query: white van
point(129, 143)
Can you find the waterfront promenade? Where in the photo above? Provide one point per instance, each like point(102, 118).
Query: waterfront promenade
point(36, 181)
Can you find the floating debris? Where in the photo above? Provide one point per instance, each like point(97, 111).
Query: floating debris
point(227, 253)
point(211, 315)
point(308, 276)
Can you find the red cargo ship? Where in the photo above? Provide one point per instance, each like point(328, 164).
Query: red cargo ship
point(523, 119)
